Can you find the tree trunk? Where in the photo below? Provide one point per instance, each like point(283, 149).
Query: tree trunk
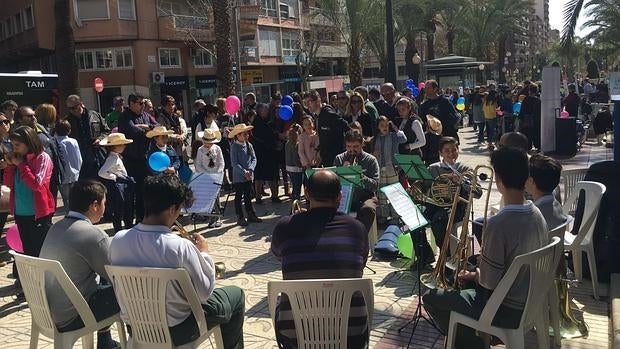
point(355, 64)
point(413, 70)
point(222, 12)
point(501, 54)
point(430, 44)
point(66, 65)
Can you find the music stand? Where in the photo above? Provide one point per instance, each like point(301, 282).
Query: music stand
point(411, 216)
point(350, 176)
point(413, 167)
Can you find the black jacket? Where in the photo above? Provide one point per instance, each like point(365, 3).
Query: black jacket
point(331, 128)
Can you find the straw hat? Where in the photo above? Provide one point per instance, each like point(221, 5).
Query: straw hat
point(239, 129)
point(159, 131)
point(115, 139)
point(434, 125)
point(210, 136)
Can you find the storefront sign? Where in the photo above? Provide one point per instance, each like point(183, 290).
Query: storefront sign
point(177, 82)
point(251, 76)
point(206, 81)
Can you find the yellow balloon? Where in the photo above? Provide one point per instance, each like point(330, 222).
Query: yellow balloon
point(460, 107)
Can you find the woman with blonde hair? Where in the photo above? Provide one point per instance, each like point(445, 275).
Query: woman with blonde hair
point(46, 115)
point(356, 111)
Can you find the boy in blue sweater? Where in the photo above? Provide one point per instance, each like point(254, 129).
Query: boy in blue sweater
point(243, 161)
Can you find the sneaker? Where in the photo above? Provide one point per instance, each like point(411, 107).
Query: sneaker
point(217, 224)
point(253, 219)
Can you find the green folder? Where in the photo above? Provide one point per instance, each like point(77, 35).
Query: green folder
point(413, 166)
point(347, 174)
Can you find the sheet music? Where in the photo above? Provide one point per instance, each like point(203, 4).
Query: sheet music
point(347, 195)
point(404, 206)
point(206, 188)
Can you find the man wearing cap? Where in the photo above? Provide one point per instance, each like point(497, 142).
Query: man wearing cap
point(135, 124)
point(88, 127)
point(443, 110)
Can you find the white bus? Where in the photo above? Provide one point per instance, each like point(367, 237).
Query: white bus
point(29, 88)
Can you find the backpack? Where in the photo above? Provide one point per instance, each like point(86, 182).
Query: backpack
point(51, 147)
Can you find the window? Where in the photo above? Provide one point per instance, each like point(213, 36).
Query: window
point(167, 8)
point(18, 23)
point(284, 11)
point(290, 43)
point(105, 59)
point(28, 18)
point(92, 9)
point(202, 58)
point(269, 8)
point(169, 58)
point(269, 42)
point(126, 9)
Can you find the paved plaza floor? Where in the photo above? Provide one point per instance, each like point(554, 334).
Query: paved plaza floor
point(250, 266)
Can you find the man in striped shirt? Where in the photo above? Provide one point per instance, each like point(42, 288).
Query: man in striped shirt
point(321, 244)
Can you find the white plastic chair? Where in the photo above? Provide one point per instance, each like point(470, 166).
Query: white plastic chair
point(320, 305)
point(32, 272)
point(541, 271)
point(554, 303)
point(141, 292)
point(582, 242)
point(569, 180)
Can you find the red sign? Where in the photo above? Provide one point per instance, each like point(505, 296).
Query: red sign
point(98, 85)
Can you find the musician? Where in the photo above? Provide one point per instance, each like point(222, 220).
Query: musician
point(517, 228)
point(438, 216)
point(544, 177)
point(152, 244)
point(82, 250)
point(355, 155)
point(321, 243)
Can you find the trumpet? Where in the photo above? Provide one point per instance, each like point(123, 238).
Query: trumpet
point(437, 278)
point(220, 267)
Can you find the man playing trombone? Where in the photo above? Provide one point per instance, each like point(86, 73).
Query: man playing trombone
point(517, 228)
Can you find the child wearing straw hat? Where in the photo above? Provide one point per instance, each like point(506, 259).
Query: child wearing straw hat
point(243, 161)
point(117, 181)
point(160, 136)
point(209, 159)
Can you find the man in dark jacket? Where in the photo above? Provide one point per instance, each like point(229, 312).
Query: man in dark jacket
point(571, 101)
point(135, 124)
point(441, 108)
point(331, 129)
point(88, 127)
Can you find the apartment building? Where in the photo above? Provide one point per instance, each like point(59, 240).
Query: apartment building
point(158, 47)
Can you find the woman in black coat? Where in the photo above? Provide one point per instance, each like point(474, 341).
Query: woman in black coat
point(264, 142)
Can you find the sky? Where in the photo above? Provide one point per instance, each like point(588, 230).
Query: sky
point(556, 8)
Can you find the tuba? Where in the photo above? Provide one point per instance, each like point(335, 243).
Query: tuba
point(570, 327)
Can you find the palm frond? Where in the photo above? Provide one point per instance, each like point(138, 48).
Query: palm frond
point(570, 14)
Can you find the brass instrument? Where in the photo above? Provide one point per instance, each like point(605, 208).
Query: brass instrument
point(458, 261)
point(220, 267)
point(296, 207)
point(436, 278)
point(442, 189)
point(570, 327)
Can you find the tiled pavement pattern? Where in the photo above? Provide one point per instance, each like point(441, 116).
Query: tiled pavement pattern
point(250, 266)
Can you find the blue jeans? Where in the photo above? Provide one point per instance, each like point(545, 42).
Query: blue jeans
point(491, 127)
point(297, 179)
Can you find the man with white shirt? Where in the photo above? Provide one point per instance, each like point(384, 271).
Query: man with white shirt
point(152, 244)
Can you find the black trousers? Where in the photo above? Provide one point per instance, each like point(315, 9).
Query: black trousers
point(32, 232)
point(242, 191)
point(138, 170)
point(120, 204)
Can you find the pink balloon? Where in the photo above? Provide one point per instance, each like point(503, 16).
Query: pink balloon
point(233, 104)
point(114, 130)
point(564, 114)
point(13, 239)
point(421, 85)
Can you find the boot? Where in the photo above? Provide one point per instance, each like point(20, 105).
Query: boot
point(241, 221)
point(252, 218)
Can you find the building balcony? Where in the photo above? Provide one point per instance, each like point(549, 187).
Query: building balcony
point(182, 28)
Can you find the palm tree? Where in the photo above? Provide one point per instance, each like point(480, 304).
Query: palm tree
point(223, 46)
point(65, 51)
point(408, 16)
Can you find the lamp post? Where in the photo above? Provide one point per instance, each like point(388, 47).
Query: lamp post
point(481, 68)
point(417, 60)
point(391, 50)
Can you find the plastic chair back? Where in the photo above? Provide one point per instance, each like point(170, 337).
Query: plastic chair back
point(321, 308)
point(32, 272)
point(540, 264)
point(141, 293)
point(570, 178)
point(593, 192)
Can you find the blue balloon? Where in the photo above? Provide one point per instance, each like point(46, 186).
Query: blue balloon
point(287, 100)
point(415, 91)
point(159, 161)
point(516, 109)
point(285, 112)
point(461, 100)
point(410, 84)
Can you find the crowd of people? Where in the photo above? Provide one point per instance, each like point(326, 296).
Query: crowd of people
point(100, 166)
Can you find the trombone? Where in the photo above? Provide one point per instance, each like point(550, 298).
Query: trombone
point(437, 278)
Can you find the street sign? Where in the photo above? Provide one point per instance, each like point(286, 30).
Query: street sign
point(98, 85)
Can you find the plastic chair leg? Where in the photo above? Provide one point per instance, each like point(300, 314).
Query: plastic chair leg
point(88, 341)
point(577, 263)
point(34, 337)
point(451, 338)
point(219, 340)
point(593, 271)
point(122, 334)
point(515, 340)
point(542, 330)
point(554, 312)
